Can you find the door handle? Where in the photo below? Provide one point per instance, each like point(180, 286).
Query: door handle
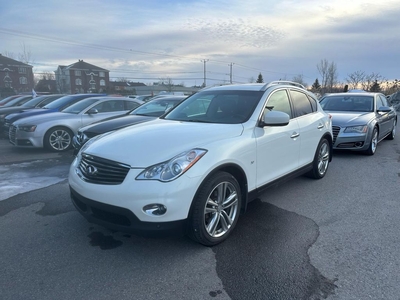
point(320, 126)
point(294, 135)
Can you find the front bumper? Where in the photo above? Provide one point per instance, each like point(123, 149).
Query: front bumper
point(121, 206)
point(122, 219)
point(24, 139)
point(350, 141)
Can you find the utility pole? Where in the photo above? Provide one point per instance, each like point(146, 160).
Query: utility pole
point(230, 73)
point(204, 61)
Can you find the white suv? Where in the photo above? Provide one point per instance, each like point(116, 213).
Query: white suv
point(198, 166)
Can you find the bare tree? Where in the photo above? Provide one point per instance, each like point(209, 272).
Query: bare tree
point(355, 79)
point(25, 56)
point(9, 54)
point(371, 79)
point(328, 72)
point(168, 83)
point(299, 79)
point(332, 76)
point(322, 68)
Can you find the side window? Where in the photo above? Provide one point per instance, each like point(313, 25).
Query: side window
point(105, 106)
point(378, 102)
point(384, 100)
point(279, 101)
point(302, 105)
point(131, 105)
point(313, 103)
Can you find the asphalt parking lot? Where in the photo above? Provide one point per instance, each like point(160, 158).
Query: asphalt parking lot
point(335, 239)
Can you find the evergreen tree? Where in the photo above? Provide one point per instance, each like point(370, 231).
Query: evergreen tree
point(375, 87)
point(260, 79)
point(316, 86)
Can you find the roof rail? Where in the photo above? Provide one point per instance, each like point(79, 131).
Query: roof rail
point(269, 84)
point(214, 85)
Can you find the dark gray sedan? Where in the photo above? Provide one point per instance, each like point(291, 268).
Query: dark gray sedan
point(360, 120)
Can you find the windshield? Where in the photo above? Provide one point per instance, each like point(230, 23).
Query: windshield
point(18, 101)
point(156, 108)
point(348, 103)
point(34, 101)
point(6, 100)
point(218, 106)
point(79, 106)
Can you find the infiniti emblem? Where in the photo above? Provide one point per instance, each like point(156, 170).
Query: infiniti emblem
point(91, 170)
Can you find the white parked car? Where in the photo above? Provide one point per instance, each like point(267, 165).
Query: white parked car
point(55, 130)
point(197, 167)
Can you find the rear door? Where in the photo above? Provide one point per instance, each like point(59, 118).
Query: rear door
point(311, 125)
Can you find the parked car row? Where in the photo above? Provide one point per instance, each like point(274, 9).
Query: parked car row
point(192, 164)
point(360, 120)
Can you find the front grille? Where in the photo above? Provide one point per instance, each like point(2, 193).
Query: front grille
point(99, 170)
point(335, 131)
point(11, 134)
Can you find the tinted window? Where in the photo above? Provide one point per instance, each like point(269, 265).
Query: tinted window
point(49, 100)
point(279, 101)
point(109, 106)
point(79, 106)
point(131, 105)
point(302, 105)
point(34, 101)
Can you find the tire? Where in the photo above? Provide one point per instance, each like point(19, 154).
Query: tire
point(392, 134)
point(373, 143)
point(217, 203)
point(58, 139)
point(321, 160)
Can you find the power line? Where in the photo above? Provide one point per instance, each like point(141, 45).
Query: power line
point(122, 50)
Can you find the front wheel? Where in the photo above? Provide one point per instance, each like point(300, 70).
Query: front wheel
point(58, 139)
point(321, 160)
point(373, 143)
point(215, 209)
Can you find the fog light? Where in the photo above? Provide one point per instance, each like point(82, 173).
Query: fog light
point(155, 209)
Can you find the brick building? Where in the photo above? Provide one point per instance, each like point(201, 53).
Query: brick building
point(15, 76)
point(82, 77)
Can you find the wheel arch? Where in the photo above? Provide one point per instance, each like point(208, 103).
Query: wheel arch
point(54, 127)
point(328, 136)
point(240, 176)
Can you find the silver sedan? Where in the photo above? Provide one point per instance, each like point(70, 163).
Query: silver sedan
point(360, 120)
point(55, 130)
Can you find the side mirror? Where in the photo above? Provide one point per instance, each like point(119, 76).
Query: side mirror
point(275, 118)
point(92, 111)
point(384, 109)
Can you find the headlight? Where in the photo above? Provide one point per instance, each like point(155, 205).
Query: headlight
point(356, 129)
point(173, 168)
point(27, 128)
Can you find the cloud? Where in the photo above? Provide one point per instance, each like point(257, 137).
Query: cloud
point(150, 39)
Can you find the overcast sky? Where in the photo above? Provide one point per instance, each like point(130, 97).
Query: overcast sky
point(144, 41)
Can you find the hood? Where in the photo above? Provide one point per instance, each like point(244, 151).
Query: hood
point(14, 109)
point(31, 112)
point(41, 118)
point(351, 118)
point(159, 140)
point(114, 123)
